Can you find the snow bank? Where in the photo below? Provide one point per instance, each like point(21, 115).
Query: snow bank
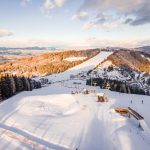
point(75, 58)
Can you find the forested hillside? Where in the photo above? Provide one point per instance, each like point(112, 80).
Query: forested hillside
point(46, 64)
point(124, 71)
point(134, 59)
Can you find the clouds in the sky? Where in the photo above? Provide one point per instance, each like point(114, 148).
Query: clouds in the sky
point(25, 2)
point(82, 15)
point(101, 14)
point(103, 42)
point(104, 12)
point(113, 12)
point(104, 21)
point(5, 33)
point(48, 5)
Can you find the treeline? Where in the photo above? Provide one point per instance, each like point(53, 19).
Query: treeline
point(118, 86)
point(11, 85)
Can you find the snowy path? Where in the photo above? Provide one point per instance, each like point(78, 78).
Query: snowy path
point(95, 136)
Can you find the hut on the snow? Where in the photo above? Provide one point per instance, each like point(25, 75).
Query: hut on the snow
point(85, 91)
point(102, 97)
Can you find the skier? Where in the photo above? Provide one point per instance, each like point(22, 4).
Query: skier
point(142, 101)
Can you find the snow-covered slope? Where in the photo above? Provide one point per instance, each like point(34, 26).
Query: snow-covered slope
point(51, 118)
point(74, 58)
point(133, 78)
point(81, 68)
point(91, 63)
point(127, 67)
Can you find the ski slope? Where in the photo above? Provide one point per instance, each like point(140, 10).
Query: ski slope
point(91, 63)
point(84, 67)
point(74, 58)
point(51, 118)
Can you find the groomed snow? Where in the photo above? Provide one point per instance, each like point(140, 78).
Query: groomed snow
point(51, 118)
point(105, 64)
point(146, 57)
point(91, 63)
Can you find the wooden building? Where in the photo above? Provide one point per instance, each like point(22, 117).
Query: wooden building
point(85, 91)
point(102, 97)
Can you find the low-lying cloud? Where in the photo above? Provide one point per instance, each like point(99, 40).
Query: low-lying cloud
point(48, 5)
point(5, 33)
point(81, 16)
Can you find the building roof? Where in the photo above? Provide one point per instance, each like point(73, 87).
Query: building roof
point(100, 94)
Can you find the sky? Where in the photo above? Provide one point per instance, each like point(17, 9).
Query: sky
point(74, 23)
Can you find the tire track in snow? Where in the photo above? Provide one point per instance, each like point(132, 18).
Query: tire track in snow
point(28, 139)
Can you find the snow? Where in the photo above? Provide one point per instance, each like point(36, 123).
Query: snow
point(105, 64)
point(134, 78)
point(146, 57)
point(51, 118)
point(75, 58)
point(81, 68)
point(91, 63)
point(100, 94)
point(113, 74)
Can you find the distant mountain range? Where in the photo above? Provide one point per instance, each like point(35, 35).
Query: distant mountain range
point(36, 50)
point(25, 51)
point(145, 49)
point(28, 48)
point(116, 48)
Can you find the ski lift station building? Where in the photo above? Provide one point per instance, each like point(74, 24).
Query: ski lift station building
point(102, 97)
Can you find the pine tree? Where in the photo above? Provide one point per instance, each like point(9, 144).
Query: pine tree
point(12, 85)
point(19, 84)
point(6, 88)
